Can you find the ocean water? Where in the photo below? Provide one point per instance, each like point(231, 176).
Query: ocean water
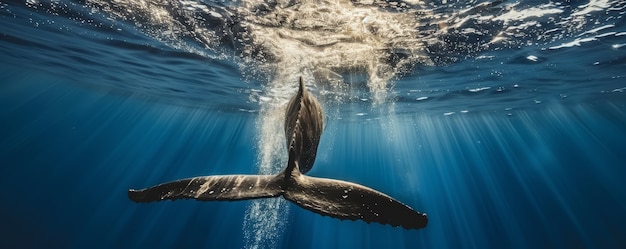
point(504, 121)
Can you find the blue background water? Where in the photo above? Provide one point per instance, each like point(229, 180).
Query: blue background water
point(89, 112)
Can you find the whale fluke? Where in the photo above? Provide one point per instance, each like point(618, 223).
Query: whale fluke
point(351, 201)
point(212, 188)
point(304, 123)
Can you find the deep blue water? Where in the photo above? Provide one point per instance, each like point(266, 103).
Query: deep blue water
point(513, 145)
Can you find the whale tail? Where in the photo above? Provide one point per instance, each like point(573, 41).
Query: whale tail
point(304, 124)
point(333, 198)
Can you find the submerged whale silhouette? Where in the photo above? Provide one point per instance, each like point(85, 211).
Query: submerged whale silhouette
point(304, 124)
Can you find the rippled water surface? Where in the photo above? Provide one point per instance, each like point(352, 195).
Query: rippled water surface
point(504, 121)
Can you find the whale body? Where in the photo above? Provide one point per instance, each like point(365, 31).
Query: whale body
point(304, 124)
